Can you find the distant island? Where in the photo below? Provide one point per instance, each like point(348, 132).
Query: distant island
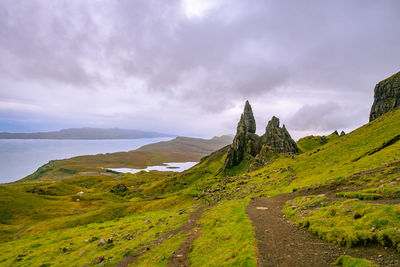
point(86, 134)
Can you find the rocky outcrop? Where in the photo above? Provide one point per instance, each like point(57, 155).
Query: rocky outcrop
point(276, 140)
point(245, 141)
point(279, 138)
point(387, 96)
point(249, 123)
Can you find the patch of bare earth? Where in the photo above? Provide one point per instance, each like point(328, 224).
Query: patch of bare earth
point(281, 243)
point(188, 227)
point(180, 257)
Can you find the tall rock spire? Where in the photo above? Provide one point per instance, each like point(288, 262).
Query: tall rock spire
point(248, 118)
point(245, 141)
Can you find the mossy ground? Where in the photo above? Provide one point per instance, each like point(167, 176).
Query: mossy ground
point(347, 261)
point(227, 237)
point(349, 223)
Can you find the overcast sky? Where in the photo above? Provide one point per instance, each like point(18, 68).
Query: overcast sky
point(187, 66)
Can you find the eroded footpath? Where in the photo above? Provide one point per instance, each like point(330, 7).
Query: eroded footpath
point(281, 243)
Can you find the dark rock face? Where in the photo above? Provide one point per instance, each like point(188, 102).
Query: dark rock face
point(342, 134)
point(387, 96)
point(279, 138)
point(275, 140)
point(245, 141)
point(248, 118)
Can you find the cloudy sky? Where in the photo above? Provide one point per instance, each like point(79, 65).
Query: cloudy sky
point(187, 66)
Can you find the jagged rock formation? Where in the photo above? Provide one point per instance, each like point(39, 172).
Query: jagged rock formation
point(387, 96)
point(342, 134)
point(276, 140)
point(248, 119)
point(245, 141)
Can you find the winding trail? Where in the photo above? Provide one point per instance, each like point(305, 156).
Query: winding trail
point(281, 243)
point(180, 257)
point(187, 227)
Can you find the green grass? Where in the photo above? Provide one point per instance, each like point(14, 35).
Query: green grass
point(227, 237)
point(311, 142)
point(159, 256)
point(359, 195)
point(81, 243)
point(349, 223)
point(348, 261)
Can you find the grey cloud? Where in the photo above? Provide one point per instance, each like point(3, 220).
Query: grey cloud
point(151, 50)
point(323, 117)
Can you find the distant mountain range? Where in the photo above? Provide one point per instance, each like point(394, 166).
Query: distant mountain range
point(85, 134)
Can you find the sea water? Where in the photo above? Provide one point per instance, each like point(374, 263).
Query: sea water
point(20, 157)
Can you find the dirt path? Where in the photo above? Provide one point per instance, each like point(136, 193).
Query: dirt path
point(281, 243)
point(186, 227)
point(180, 257)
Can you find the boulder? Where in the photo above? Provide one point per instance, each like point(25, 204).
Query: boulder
point(119, 189)
point(386, 96)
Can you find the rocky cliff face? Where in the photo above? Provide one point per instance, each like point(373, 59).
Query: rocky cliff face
point(275, 140)
point(387, 96)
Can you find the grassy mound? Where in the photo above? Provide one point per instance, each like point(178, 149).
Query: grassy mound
point(348, 223)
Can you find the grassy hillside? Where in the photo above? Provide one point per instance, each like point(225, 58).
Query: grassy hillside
point(43, 217)
point(311, 142)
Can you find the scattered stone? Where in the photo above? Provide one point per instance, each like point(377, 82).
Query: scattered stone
point(77, 200)
point(147, 221)
point(110, 240)
point(101, 242)
point(261, 208)
point(98, 260)
point(40, 191)
point(119, 189)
